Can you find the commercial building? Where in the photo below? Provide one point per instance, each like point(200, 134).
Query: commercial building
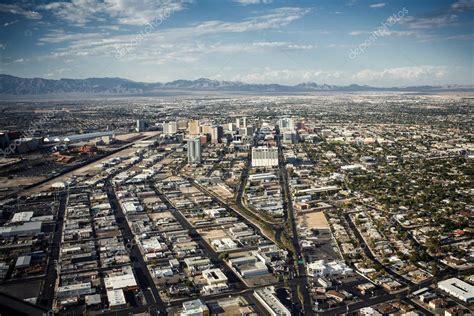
point(286, 123)
point(141, 126)
point(264, 157)
point(22, 217)
point(4, 139)
point(320, 268)
point(194, 308)
point(241, 122)
point(26, 229)
point(75, 290)
point(170, 128)
point(249, 266)
point(217, 134)
point(79, 137)
point(193, 127)
point(458, 289)
point(194, 151)
point(216, 281)
point(116, 298)
point(272, 304)
point(290, 137)
point(206, 129)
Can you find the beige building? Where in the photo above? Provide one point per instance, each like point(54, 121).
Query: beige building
point(193, 127)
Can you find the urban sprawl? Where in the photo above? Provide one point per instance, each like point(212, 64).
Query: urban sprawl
point(356, 204)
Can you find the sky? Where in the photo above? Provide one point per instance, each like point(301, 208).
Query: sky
point(379, 43)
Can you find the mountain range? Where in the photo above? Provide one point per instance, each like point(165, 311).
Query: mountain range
point(16, 86)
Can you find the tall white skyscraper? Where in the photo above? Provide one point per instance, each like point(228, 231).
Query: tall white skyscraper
point(141, 126)
point(194, 150)
point(241, 122)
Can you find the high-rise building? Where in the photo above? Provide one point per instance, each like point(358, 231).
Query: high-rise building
point(247, 131)
point(286, 123)
point(193, 127)
point(206, 129)
point(194, 150)
point(141, 126)
point(264, 157)
point(241, 122)
point(217, 134)
point(182, 124)
point(170, 128)
point(4, 139)
point(290, 137)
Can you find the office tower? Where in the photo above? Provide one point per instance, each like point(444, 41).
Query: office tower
point(193, 127)
point(290, 137)
point(264, 157)
point(182, 125)
point(4, 139)
point(248, 131)
point(206, 129)
point(141, 126)
point(217, 134)
point(194, 150)
point(286, 123)
point(170, 128)
point(241, 122)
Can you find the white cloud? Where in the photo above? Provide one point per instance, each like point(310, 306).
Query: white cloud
point(463, 5)
point(284, 45)
point(6, 24)
point(125, 12)
point(16, 9)
point(247, 2)
point(385, 32)
point(60, 36)
point(462, 37)
point(267, 75)
point(357, 33)
point(401, 73)
point(430, 22)
point(377, 5)
point(176, 44)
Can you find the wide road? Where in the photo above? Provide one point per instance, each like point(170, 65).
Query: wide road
point(301, 268)
point(143, 276)
point(46, 296)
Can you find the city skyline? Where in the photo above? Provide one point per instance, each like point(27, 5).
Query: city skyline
point(396, 43)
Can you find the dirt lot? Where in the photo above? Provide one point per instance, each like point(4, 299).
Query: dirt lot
point(221, 191)
point(157, 216)
point(210, 235)
point(313, 220)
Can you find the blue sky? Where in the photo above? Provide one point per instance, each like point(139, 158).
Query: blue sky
point(256, 41)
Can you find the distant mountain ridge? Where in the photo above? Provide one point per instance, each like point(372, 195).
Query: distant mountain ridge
point(11, 85)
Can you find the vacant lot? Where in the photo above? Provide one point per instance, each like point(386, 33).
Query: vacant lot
point(312, 220)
